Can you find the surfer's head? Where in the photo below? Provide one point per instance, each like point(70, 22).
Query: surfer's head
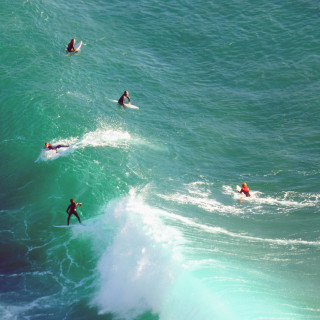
point(47, 144)
point(72, 200)
point(244, 185)
point(126, 93)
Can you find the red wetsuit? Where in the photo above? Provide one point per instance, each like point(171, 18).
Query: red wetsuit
point(245, 191)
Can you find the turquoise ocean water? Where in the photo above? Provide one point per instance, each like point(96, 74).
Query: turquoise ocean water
point(228, 93)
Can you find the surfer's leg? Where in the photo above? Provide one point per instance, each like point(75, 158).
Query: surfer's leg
point(77, 216)
point(60, 146)
point(69, 218)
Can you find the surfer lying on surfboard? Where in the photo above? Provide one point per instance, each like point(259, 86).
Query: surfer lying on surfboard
point(72, 209)
point(245, 190)
point(123, 98)
point(47, 145)
point(71, 47)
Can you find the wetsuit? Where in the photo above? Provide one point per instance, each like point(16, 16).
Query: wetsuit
point(57, 147)
point(70, 48)
point(245, 191)
point(72, 209)
point(122, 98)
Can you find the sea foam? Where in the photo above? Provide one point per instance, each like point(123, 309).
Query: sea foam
point(143, 269)
point(101, 137)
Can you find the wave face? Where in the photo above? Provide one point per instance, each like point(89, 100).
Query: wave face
point(227, 93)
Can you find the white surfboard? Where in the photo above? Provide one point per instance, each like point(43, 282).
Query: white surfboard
point(238, 188)
point(78, 46)
point(64, 226)
point(127, 105)
point(70, 226)
point(131, 106)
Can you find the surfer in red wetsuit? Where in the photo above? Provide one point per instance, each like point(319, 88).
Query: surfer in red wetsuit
point(245, 190)
point(124, 97)
point(72, 209)
point(71, 46)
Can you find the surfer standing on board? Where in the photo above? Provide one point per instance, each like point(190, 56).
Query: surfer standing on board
point(72, 209)
point(245, 190)
point(124, 97)
point(71, 46)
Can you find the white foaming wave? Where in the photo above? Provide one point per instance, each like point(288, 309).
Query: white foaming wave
point(142, 267)
point(55, 154)
point(104, 137)
point(219, 230)
point(199, 195)
point(199, 188)
point(98, 138)
point(140, 264)
point(257, 198)
point(205, 203)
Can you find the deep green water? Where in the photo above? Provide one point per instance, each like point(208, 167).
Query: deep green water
point(228, 92)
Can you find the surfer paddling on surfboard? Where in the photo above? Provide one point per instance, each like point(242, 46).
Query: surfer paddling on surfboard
point(123, 98)
point(245, 190)
point(72, 209)
point(48, 146)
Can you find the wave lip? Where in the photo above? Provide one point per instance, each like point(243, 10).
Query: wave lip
point(140, 265)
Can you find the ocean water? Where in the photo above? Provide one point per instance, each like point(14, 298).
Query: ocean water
point(228, 93)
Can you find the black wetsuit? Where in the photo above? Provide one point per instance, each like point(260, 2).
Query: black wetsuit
point(72, 209)
point(57, 147)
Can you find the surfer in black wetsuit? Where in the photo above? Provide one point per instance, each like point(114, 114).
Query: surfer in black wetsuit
point(71, 46)
point(50, 147)
point(124, 97)
point(72, 209)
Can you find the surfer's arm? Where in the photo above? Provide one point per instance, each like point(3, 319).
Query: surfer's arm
point(68, 209)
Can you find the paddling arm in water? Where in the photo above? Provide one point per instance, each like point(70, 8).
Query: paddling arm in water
point(72, 210)
point(124, 97)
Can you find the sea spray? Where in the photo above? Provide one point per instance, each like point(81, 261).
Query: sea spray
point(143, 269)
point(141, 263)
point(99, 138)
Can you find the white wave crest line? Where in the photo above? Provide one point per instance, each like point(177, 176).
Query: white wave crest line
point(220, 230)
point(199, 188)
point(207, 204)
point(35, 273)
